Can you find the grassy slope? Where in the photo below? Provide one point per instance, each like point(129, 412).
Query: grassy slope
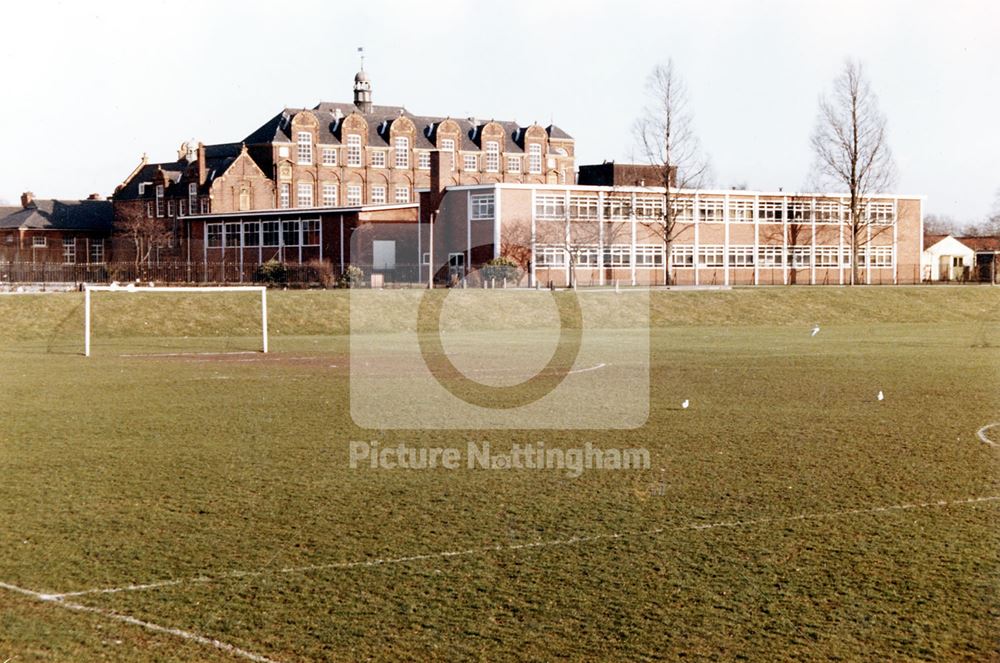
point(119, 470)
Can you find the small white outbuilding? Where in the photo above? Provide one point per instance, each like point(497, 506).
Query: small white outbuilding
point(946, 259)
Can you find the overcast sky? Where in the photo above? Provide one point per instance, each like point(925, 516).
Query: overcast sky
point(90, 86)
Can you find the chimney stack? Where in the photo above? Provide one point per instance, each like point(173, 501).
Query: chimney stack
point(95, 196)
point(441, 168)
point(27, 199)
point(202, 172)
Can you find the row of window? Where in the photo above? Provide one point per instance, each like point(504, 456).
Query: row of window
point(247, 234)
point(401, 155)
point(584, 207)
point(651, 255)
point(161, 207)
point(378, 195)
point(69, 252)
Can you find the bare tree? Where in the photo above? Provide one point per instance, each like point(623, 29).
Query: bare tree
point(141, 233)
point(940, 224)
point(852, 152)
point(666, 138)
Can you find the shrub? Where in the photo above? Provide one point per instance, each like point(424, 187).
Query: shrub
point(321, 271)
point(352, 277)
point(272, 272)
point(501, 268)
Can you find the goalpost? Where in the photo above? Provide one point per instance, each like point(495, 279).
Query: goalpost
point(133, 289)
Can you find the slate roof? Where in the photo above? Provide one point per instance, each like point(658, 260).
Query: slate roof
point(217, 159)
point(89, 215)
point(278, 128)
point(982, 244)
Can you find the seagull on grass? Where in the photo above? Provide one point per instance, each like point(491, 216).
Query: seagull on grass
point(815, 330)
point(685, 404)
point(880, 396)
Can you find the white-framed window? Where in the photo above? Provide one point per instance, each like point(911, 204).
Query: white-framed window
point(182, 207)
point(827, 256)
point(170, 208)
point(149, 210)
point(470, 162)
point(711, 210)
point(799, 256)
point(618, 255)
point(310, 232)
point(800, 211)
point(329, 194)
point(648, 256)
point(830, 211)
point(448, 145)
point(741, 211)
point(771, 256)
point(204, 206)
point(550, 256)
point(402, 147)
point(550, 207)
point(214, 235)
point(284, 195)
point(305, 147)
point(270, 233)
point(39, 241)
point(142, 188)
point(682, 255)
point(711, 255)
point(649, 208)
point(304, 195)
point(329, 156)
point(354, 195)
point(534, 158)
point(193, 197)
point(426, 259)
point(492, 156)
point(233, 239)
point(378, 195)
point(482, 207)
point(584, 207)
point(290, 233)
point(514, 165)
point(770, 211)
point(880, 213)
point(617, 208)
point(424, 160)
point(402, 194)
point(378, 158)
point(251, 233)
point(682, 210)
point(159, 200)
point(353, 150)
point(283, 152)
point(878, 256)
point(741, 256)
point(585, 256)
point(97, 250)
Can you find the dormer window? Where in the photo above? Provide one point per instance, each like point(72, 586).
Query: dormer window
point(159, 200)
point(535, 158)
point(402, 145)
point(354, 150)
point(492, 157)
point(193, 197)
point(305, 153)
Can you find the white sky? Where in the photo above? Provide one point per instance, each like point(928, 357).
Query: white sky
point(90, 86)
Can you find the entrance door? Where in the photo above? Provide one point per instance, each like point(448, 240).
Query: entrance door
point(456, 267)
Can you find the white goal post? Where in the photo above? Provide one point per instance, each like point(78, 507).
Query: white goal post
point(133, 289)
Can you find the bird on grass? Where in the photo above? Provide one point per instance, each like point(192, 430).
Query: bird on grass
point(881, 396)
point(685, 404)
point(815, 330)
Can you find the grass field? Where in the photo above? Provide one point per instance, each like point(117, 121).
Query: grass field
point(788, 514)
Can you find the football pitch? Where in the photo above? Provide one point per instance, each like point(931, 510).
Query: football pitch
point(179, 497)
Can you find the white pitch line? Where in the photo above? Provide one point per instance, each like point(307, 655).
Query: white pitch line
point(55, 599)
point(982, 434)
point(692, 527)
point(190, 354)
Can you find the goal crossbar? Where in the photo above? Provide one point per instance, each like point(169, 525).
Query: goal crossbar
point(133, 289)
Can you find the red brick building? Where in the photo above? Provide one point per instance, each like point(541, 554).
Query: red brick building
point(335, 155)
point(55, 231)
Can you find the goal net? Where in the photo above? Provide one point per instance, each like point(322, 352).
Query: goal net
point(195, 320)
